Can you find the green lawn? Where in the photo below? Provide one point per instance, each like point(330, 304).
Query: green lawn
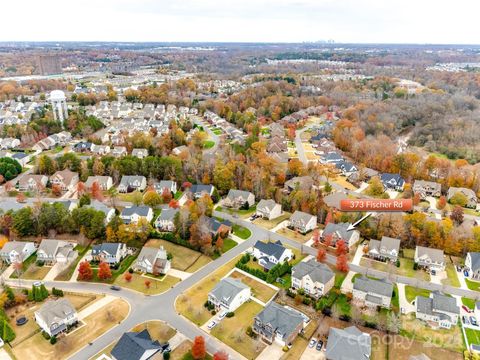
point(411, 293)
point(260, 290)
point(178, 195)
point(25, 265)
point(228, 244)
point(124, 266)
point(217, 131)
point(35, 272)
point(405, 269)
point(473, 285)
point(473, 336)
point(241, 232)
point(131, 197)
point(452, 278)
point(157, 286)
point(208, 144)
point(470, 303)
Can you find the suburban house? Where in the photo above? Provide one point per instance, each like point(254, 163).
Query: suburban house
point(302, 222)
point(17, 251)
point(119, 151)
point(346, 167)
point(363, 174)
point(271, 253)
point(331, 158)
point(439, 310)
point(52, 251)
point(70, 205)
point(427, 188)
point(199, 190)
point(55, 316)
point(136, 346)
point(152, 260)
point(392, 181)
point(279, 324)
point(348, 343)
point(238, 198)
point(229, 294)
point(169, 185)
point(315, 278)
point(385, 249)
point(133, 214)
point(431, 259)
point(165, 221)
point(32, 182)
point(22, 158)
point(216, 226)
point(100, 206)
point(469, 194)
point(335, 232)
point(104, 182)
point(100, 149)
point(373, 292)
point(268, 209)
point(472, 263)
point(83, 146)
point(140, 153)
point(298, 183)
point(131, 183)
point(111, 253)
point(66, 179)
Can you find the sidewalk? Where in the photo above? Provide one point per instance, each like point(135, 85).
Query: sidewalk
point(179, 274)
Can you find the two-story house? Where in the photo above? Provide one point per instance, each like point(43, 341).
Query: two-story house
point(52, 251)
point(100, 206)
point(348, 343)
point(278, 324)
point(268, 209)
point(166, 220)
point(66, 179)
point(140, 153)
point(427, 188)
point(373, 292)
point(237, 199)
point(54, 316)
point(165, 185)
point(32, 183)
point(229, 294)
point(131, 183)
point(198, 190)
point(304, 183)
point(336, 232)
point(315, 278)
point(302, 222)
point(469, 194)
point(439, 310)
point(472, 264)
point(104, 182)
point(392, 181)
point(136, 345)
point(271, 253)
point(111, 253)
point(386, 249)
point(152, 261)
point(17, 251)
point(133, 214)
point(430, 259)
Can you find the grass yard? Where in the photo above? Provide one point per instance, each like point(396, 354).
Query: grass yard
point(95, 325)
point(157, 286)
point(405, 269)
point(243, 214)
point(124, 266)
point(184, 259)
point(130, 197)
point(232, 331)
point(261, 291)
point(208, 144)
point(473, 336)
point(35, 272)
point(66, 274)
point(270, 224)
point(190, 303)
point(401, 347)
point(473, 285)
point(228, 244)
point(411, 293)
point(452, 278)
point(158, 331)
point(25, 266)
point(291, 234)
point(470, 303)
point(300, 343)
point(450, 339)
point(241, 232)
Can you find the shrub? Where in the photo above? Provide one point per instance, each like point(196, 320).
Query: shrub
point(285, 348)
point(213, 312)
point(53, 340)
point(130, 271)
point(301, 292)
point(370, 325)
point(415, 266)
point(57, 292)
point(166, 355)
point(345, 318)
point(230, 314)
point(249, 331)
point(397, 263)
point(307, 301)
point(206, 304)
point(327, 311)
point(40, 263)
point(45, 335)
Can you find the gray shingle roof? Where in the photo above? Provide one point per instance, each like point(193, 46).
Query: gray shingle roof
point(266, 205)
point(317, 271)
point(435, 255)
point(109, 248)
point(436, 302)
point(475, 257)
point(381, 287)
point(233, 194)
point(141, 210)
point(284, 321)
point(227, 289)
point(300, 216)
point(18, 246)
point(132, 345)
point(348, 344)
point(274, 249)
point(340, 229)
point(168, 214)
point(53, 311)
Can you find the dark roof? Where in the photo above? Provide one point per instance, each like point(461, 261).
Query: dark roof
point(132, 345)
point(379, 287)
point(475, 257)
point(109, 248)
point(198, 188)
point(274, 249)
point(140, 210)
point(387, 177)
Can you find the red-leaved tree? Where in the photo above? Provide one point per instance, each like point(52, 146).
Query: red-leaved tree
point(321, 255)
point(198, 348)
point(85, 271)
point(316, 238)
point(173, 204)
point(147, 284)
point(342, 263)
point(342, 248)
point(220, 355)
point(128, 277)
point(104, 271)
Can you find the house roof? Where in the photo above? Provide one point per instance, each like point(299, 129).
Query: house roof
point(266, 205)
point(133, 345)
point(435, 255)
point(168, 214)
point(475, 258)
point(50, 246)
point(386, 244)
point(164, 184)
point(387, 177)
point(198, 188)
point(109, 248)
point(381, 287)
point(274, 249)
point(141, 210)
point(303, 182)
point(100, 180)
point(100, 206)
point(128, 180)
point(427, 185)
point(435, 303)
point(348, 344)
point(55, 311)
point(283, 320)
point(227, 289)
point(340, 229)
point(65, 175)
point(302, 217)
point(233, 194)
point(150, 254)
point(17, 246)
point(469, 193)
point(318, 272)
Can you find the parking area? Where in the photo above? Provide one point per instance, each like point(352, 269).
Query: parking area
point(311, 353)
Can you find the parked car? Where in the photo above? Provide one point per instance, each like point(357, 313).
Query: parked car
point(319, 345)
point(222, 315)
point(211, 325)
point(465, 320)
point(433, 272)
point(473, 321)
point(465, 273)
point(467, 309)
point(115, 288)
point(312, 343)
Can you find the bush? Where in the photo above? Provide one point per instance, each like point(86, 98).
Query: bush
point(57, 292)
point(53, 340)
point(45, 335)
point(130, 271)
point(345, 318)
point(307, 301)
point(415, 266)
point(214, 312)
point(397, 263)
point(370, 325)
point(249, 331)
point(285, 348)
point(327, 311)
point(301, 292)
point(40, 263)
point(166, 355)
point(230, 314)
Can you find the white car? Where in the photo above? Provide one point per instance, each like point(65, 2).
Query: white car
point(211, 325)
point(312, 343)
point(222, 315)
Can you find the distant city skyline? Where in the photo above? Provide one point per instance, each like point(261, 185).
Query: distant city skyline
point(344, 21)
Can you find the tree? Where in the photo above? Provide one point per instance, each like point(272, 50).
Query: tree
point(220, 355)
point(442, 202)
point(147, 284)
point(7, 333)
point(110, 234)
point(174, 204)
point(166, 196)
point(321, 255)
point(151, 198)
point(85, 271)
point(56, 190)
point(316, 238)
point(342, 263)
point(198, 348)
point(219, 243)
point(341, 248)
point(96, 191)
point(457, 215)
point(328, 218)
point(375, 187)
point(21, 198)
point(104, 271)
point(459, 199)
point(128, 277)
point(416, 199)
point(81, 188)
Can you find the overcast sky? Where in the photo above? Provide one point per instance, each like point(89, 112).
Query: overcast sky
point(385, 21)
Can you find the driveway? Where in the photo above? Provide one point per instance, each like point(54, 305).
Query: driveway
point(4, 355)
point(403, 303)
point(358, 254)
point(273, 351)
point(362, 187)
point(313, 354)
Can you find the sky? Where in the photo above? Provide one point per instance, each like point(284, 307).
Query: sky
point(347, 21)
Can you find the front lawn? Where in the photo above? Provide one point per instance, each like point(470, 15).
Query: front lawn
point(208, 144)
point(228, 244)
point(296, 236)
point(270, 224)
point(157, 286)
point(473, 336)
point(241, 232)
point(232, 331)
point(452, 278)
point(35, 272)
point(124, 266)
point(473, 285)
point(470, 303)
point(67, 274)
point(412, 292)
point(25, 265)
point(259, 290)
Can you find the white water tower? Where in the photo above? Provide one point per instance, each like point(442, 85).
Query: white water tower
point(59, 105)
